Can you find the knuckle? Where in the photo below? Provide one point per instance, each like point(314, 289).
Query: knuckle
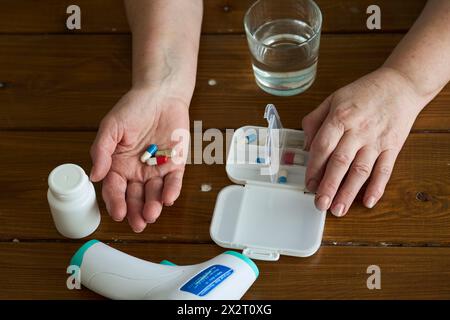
point(329, 187)
point(321, 145)
point(342, 112)
point(340, 159)
point(361, 169)
point(347, 194)
point(391, 140)
point(339, 124)
point(384, 170)
point(364, 125)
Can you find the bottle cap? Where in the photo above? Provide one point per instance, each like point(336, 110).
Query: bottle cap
point(72, 201)
point(67, 180)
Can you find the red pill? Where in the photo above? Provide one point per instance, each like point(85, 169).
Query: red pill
point(291, 158)
point(159, 160)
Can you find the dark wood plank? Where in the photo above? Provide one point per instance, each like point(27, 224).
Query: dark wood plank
point(221, 16)
point(37, 271)
point(402, 217)
point(75, 75)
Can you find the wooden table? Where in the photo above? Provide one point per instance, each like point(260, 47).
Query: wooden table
point(57, 85)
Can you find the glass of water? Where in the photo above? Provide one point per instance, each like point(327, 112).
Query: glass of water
point(284, 38)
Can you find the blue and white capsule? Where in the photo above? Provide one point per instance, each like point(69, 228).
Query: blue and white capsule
point(260, 160)
point(282, 176)
point(150, 152)
point(249, 138)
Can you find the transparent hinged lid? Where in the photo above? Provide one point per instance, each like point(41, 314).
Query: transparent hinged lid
point(261, 216)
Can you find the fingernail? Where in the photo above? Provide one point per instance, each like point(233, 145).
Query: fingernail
point(338, 210)
point(370, 203)
point(312, 185)
point(138, 230)
point(92, 177)
point(323, 203)
point(150, 221)
point(117, 219)
point(168, 204)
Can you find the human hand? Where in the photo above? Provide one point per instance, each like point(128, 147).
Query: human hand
point(130, 188)
point(355, 135)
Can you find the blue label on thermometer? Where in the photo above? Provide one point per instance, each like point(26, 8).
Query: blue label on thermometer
point(207, 280)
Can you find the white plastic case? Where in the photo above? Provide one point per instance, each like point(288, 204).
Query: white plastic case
point(260, 216)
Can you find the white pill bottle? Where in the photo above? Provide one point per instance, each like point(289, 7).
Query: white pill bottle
point(72, 201)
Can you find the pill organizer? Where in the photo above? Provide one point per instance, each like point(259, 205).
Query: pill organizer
point(260, 216)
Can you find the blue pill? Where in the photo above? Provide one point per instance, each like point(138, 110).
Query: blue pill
point(152, 149)
point(260, 160)
point(282, 176)
point(251, 137)
point(282, 180)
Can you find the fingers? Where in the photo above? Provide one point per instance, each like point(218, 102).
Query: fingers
point(357, 175)
point(113, 192)
point(172, 187)
point(312, 122)
point(159, 192)
point(325, 141)
point(153, 203)
point(336, 168)
point(135, 206)
point(101, 151)
point(380, 177)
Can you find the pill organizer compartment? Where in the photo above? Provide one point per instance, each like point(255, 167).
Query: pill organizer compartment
point(294, 139)
point(264, 218)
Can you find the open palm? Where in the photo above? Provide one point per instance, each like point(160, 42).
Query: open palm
point(130, 188)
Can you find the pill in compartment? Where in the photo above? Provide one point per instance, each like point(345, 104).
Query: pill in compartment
point(293, 158)
point(282, 176)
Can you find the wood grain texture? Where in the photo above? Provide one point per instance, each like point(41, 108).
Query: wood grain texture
point(50, 80)
point(220, 16)
point(57, 84)
point(414, 211)
point(37, 271)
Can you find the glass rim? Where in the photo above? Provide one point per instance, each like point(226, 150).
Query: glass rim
point(316, 32)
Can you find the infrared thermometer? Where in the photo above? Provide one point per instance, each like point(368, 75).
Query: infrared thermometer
point(117, 275)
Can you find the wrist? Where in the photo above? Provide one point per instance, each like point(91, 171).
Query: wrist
point(424, 92)
point(406, 86)
point(166, 74)
point(165, 90)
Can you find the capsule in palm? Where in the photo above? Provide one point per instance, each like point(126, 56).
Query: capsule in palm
point(158, 160)
point(149, 152)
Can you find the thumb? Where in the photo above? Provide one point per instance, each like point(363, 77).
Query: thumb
point(102, 149)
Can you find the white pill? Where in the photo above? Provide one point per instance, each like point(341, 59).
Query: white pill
point(145, 156)
point(168, 153)
point(151, 161)
point(205, 187)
